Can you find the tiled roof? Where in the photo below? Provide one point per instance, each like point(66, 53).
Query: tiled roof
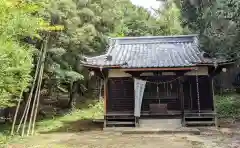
point(149, 52)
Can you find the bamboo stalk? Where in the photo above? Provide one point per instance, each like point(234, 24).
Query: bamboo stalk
point(30, 95)
point(25, 116)
point(16, 112)
point(40, 83)
point(19, 125)
point(37, 101)
point(33, 105)
point(36, 93)
point(38, 88)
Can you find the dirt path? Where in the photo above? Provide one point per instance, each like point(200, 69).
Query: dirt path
point(227, 137)
point(208, 139)
point(104, 140)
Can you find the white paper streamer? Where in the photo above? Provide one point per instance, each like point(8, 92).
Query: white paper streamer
point(139, 87)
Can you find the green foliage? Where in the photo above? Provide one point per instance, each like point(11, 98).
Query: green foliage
point(16, 19)
point(217, 23)
point(15, 67)
point(16, 22)
point(228, 106)
point(170, 19)
point(87, 24)
point(137, 21)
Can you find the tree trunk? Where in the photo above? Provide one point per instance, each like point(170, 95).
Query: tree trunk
point(72, 96)
point(7, 115)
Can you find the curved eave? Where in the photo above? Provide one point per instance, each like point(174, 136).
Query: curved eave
point(142, 68)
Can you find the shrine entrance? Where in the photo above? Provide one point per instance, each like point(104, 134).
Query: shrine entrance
point(161, 96)
point(175, 79)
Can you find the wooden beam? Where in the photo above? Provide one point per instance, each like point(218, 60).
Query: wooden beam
point(158, 69)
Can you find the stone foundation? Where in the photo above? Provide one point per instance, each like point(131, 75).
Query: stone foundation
point(160, 123)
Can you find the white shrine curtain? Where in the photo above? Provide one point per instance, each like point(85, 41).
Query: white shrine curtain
point(139, 87)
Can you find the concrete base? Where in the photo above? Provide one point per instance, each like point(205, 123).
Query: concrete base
point(128, 130)
point(160, 123)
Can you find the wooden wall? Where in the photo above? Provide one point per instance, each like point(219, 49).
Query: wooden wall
point(121, 93)
point(205, 93)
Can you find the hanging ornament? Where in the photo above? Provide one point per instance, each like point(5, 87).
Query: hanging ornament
point(224, 69)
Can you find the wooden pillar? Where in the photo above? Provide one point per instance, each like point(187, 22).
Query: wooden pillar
point(214, 105)
point(181, 93)
point(105, 95)
point(182, 100)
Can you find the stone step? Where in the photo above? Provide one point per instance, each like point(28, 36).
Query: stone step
point(201, 113)
point(197, 117)
point(120, 123)
point(140, 130)
point(119, 117)
point(199, 122)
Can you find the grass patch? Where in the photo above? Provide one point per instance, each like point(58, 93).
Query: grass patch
point(228, 106)
point(94, 110)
